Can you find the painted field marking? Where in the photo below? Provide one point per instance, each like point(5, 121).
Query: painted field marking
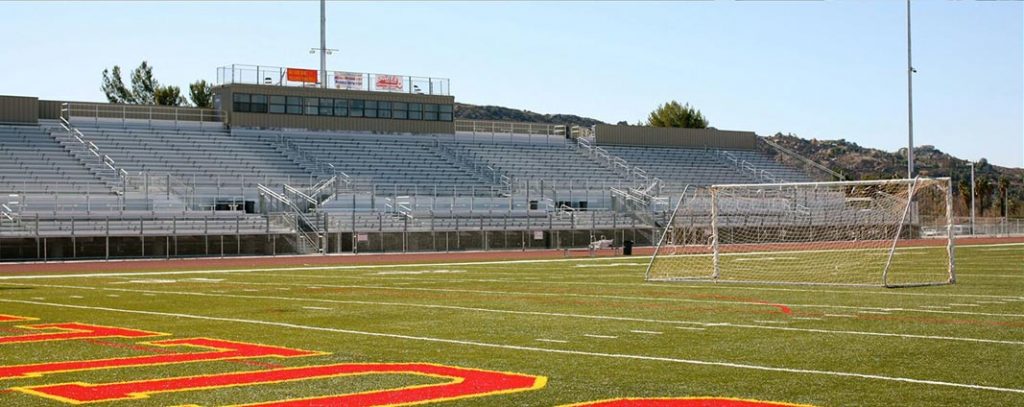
point(690, 328)
point(460, 383)
point(416, 272)
point(875, 312)
point(964, 305)
point(73, 330)
point(318, 308)
point(840, 315)
point(38, 298)
point(991, 302)
point(212, 350)
point(149, 294)
point(113, 295)
point(638, 331)
point(477, 263)
point(809, 318)
point(76, 296)
point(550, 314)
point(628, 298)
point(936, 306)
point(535, 349)
point(601, 336)
point(283, 288)
point(761, 321)
point(250, 290)
point(610, 265)
point(550, 340)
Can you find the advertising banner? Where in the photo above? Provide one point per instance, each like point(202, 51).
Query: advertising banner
point(302, 75)
point(389, 82)
point(348, 80)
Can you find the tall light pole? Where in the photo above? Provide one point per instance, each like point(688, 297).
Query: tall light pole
point(910, 103)
point(323, 41)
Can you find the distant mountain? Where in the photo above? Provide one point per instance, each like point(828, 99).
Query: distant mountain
point(474, 112)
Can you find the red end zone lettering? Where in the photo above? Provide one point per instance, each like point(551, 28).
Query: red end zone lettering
point(463, 383)
point(685, 402)
point(74, 330)
point(218, 350)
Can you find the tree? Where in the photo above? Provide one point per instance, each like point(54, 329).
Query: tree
point(1004, 189)
point(113, 87)
point(144, 87)
point(672, 114)
point(169, 96)
point(985, 188)
point(201, 94)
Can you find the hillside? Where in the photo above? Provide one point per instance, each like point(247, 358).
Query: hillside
point(475, 112)
point(858, 162)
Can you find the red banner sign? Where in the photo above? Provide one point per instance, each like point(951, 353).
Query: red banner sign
point(389, 82)
point(302, 75)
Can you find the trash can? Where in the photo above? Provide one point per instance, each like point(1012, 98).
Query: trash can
point(627, 248)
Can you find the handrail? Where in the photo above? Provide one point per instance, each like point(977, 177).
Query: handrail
point(300, 194)
point(805, 160)
point(7, 212)
point(509, 127)
point(148, 113)
point(265, 191)
point(77, 135)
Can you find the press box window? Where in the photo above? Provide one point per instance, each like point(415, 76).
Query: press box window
point(242, 102)
point(259, 104)
point(370, 109)
point(340, 107)
point(399, 110)
point(430, 112)
point(446, 113)
point(355, 108)
point(312, 106)
point(415, 111)
point(277, 104)
point(326, 107)
point(294, 105)
point(384, 110)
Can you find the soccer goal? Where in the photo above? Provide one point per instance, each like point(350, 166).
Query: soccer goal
point(888, 233)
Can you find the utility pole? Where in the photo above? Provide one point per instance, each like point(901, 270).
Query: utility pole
point(910, 103)
point(972, 198)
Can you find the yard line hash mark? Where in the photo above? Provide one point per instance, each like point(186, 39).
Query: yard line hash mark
point(542, 350)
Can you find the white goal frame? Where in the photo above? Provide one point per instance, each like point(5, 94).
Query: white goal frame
point(707, 230)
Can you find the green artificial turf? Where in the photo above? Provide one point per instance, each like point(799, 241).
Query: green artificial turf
point(594, 328)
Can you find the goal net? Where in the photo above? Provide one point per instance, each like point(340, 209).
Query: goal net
point(881, 233)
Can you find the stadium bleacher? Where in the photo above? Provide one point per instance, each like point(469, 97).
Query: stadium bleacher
point(319, 190)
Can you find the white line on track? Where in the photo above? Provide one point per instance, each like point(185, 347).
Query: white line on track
point(535, 349)
point(601, 336)
point(551, 340)
point(538, 313)
point(637, 331)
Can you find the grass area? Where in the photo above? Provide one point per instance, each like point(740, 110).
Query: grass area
point(592, 327)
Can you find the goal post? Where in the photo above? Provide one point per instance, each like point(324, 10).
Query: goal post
point(891, 233)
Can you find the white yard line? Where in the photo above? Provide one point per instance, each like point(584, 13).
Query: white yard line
point(601, 336)
point(539, 313)
point(633, 298)
point(318, 308)
point(875, 312)
point(690, 328)
point(840, 315)
point(761, 321)
point(637, 331)
point(809, 318)
point(551, 340)
point(535, 349)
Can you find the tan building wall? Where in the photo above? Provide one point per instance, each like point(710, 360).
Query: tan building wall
point(275, 120)
point(49, 109)
point(19, 109)
point(674, 137)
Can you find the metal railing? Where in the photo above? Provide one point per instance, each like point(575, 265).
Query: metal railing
point(619, 164)
point(744, 166)
point(481, 130)
point(305, 229)
point(807, 161)
point(76, 135)
point(374, 82)
point(148, 114)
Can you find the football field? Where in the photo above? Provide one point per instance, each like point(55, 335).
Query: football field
point(508, 333)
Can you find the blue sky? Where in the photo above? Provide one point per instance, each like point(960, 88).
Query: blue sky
point(822, 70)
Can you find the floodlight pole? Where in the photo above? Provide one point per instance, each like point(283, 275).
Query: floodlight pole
point(910, 103)
point(323, 43)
